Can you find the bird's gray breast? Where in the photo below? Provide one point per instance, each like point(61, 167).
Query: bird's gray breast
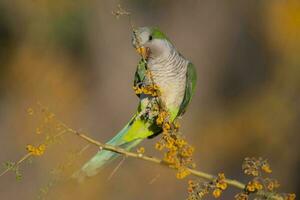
point(169, 73)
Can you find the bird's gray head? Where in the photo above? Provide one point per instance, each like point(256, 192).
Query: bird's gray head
point(151, 42)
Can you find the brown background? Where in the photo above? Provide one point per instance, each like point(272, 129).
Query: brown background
point(76, 58)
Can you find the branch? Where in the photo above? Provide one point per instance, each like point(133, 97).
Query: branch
point(197, 173)
point(24, 158)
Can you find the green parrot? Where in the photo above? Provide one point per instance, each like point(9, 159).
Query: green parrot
point(175, 77)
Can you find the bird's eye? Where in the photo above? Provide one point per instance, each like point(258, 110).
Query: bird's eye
point(150, 37)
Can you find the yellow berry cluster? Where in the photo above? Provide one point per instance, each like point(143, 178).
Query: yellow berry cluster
point(241, 196)
point(258, 168)
point(266, 167)
point(151, 90)
point(140, 150)
point(255, 167)
point(197, 190)
point(220, 185)
point(245, 196)
point(182, 172)
point(178, 153)
point(271, 184)
point(36, 151)
point(262, 183)
point(161, 118)
point(49, 125)
point(253, 186)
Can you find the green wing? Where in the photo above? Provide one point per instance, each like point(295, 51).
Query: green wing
point(140, 128)
point(191, 79)
point(140, 74)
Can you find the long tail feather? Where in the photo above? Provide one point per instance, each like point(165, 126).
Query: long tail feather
point(104, 157)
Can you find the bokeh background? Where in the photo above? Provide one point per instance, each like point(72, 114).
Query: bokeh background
point(76, 58)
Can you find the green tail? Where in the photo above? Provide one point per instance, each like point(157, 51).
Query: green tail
point(130, 136)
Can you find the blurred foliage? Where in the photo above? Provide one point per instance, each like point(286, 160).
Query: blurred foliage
point(69, 32)
point(76, 58)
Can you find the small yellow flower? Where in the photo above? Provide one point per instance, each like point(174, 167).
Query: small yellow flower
point(254, 173)
point(166, 127)
point(169, 143)
point(266, 168)
point(191, 183)
point(176, 125)
point(258, 185)
point(221, 176)
point(159, 146)
point(254, 185)
point(222, 185)
point(161, 117)
point(187, 152)
point(141, 150)
point(241, 196)
point(170, 160)
point(30, 147)
point(180, 142)
point(177, 164)
point(201, 194)
point(270, 186)
point(137, 90)
point(250, 187)
point(155, 87)
point(182, 173)
point(36, 151)
point(149, 90)
point(217, 193)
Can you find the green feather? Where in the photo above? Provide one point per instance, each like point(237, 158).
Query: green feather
point(138, 130)
point(140, 74)
point(157, 34)
point(191, 78)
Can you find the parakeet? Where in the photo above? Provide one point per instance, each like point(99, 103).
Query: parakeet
point(175, 77)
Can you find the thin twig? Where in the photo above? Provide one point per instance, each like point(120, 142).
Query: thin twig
point(116, 168)
point(28, 155)
point(24, 158)
point(154, 179)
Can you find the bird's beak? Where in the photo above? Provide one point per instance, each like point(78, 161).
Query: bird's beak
point(143, 51)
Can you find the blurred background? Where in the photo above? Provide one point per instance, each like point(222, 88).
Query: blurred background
point(76, 58)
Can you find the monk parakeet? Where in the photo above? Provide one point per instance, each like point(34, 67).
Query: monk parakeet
point(174, 75)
